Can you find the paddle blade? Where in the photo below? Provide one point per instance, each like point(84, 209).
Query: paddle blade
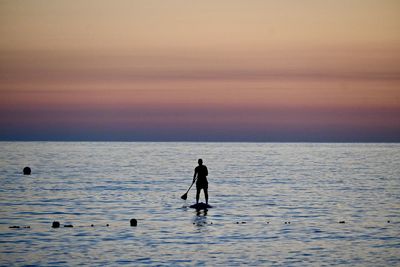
point(184, 196)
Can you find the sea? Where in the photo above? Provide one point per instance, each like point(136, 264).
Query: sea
point(273, 204)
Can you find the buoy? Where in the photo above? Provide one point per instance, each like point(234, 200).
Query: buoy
point(27, 171)
point(133, 222)
point(55, 224)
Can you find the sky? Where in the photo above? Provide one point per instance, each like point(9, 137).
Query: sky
point(211, 70)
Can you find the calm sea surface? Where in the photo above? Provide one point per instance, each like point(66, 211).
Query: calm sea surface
point(256, 188)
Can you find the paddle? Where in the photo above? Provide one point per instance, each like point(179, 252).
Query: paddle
point(184, 196)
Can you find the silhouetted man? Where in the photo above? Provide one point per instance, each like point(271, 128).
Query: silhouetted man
point(201, 172)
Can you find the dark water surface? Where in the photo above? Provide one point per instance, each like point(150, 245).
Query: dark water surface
point(255, 188)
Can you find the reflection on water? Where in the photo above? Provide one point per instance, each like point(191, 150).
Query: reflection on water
point(201, 217)
point(256, 190)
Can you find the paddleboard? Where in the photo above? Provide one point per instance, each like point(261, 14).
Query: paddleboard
point(200, 206)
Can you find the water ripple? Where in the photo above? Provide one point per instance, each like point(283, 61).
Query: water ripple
point(274, 204)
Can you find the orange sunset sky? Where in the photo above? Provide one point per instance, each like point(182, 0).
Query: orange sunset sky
point(305, 70)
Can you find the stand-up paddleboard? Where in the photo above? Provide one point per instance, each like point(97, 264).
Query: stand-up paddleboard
point(200, 206)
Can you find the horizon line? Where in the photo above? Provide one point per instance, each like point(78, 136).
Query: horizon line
point(200, 141)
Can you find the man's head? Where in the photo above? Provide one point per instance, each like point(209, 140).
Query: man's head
point(200, 161)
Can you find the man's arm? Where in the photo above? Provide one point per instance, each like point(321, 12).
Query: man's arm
point(194, 176)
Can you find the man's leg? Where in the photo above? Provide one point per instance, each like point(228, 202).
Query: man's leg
point(197, 194)
point(206, 194)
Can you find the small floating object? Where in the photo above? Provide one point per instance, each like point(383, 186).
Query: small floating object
point(107, 225)
point(200, 206)
point(133, 222)
point(287, 222)
point(388, 221)
point(18, 227)
point(55, 224)
point(267, 222)
point(92, 225)
point(68, 225)
point(27, 171)
point(342, 222)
